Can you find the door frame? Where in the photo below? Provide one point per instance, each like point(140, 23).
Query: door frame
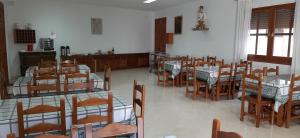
point(3, 55)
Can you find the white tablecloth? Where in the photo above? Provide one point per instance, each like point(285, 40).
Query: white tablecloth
point(20, 86)
point(123, 111)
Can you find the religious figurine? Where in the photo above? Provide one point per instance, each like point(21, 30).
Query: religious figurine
point(201, 20)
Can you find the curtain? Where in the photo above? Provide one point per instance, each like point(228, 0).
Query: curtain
point(296, 53)
point(243, 21)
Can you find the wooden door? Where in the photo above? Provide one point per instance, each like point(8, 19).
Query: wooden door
point(160, 34)
point(3, 54)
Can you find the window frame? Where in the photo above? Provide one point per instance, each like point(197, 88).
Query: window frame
point(269, 58)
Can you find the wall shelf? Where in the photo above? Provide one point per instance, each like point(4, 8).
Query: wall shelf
point(23, 36)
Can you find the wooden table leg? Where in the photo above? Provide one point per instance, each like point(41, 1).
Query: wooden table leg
point(280, 116)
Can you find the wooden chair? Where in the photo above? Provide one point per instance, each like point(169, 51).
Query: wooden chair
point(217, 63)
point(198, 60)
point(47, 64)
point(239, 70)
point(223, 87)
point(107, 78)
point(45, 71)
point(139, 101)
point(93, 101)
point(87, 85)
point(211, 59)
point(197, 85)
point(183, 72)
point(41, 127)
point(271, 71)
point(164, 77)
point(258, 72)
point(258, 107)
point(249, 65)
point(68, 66)
point(217, 133)
point(36, 87)
point(292, 106)
point(112, 130)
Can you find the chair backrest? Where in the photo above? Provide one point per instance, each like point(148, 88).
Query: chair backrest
point(248, 63)
point(211, 59)
point(47, 64)
point(203, 63)
point(196, 60)
point(93, 101)
point(69, 66)
point(293, 88)
point(139, 101)
point(271, 71)
point(41, 127)
point(113, 130)
point(225, 70)
point(217, 62)
point(240, 69)
point(87, 85)
point(252, 83)
point(107, 78)
point(258, 72)
point(217, 133)
point(36, 86)
point(45, 71)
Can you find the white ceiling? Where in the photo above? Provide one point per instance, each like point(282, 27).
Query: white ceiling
point(135, 4)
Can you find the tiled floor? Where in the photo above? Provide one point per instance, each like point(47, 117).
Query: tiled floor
point(169, 112)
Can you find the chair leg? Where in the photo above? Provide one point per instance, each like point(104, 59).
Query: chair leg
point(258, 111)
point(272, 115)
point(280, 116)
point(242, 114)
point(181, 79)
point(206, 91)
point(288, 116)
point(218, 92)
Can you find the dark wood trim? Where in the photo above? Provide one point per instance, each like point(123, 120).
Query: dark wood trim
point(272, 59)
point(115, 61)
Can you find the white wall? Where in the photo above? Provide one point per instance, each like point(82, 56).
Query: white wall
point(219, 40)
point(128, 31)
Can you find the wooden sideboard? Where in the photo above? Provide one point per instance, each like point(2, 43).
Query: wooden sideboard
point(115, 61)
point(28, 59)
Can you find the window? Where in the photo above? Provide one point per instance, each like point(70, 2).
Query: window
point(271, 34)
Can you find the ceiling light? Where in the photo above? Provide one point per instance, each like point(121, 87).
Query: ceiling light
point(149, 1)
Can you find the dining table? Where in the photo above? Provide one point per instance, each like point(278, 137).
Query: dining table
point(122, 111)
point(20, 85)
point(82, 69)
point(174, 67)
point(276, 87)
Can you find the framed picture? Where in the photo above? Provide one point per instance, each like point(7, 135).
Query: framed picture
point(178, 25)
point(96, 26)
